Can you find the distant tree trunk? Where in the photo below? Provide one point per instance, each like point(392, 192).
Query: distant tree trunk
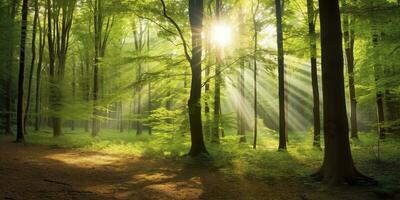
point(338, 166)
point(139, 44)
point(207, 127)
point(121, 120)
point(100, 42)
point(378, 71)
point(379, 93)
point(217, 88)
point(87, 91)
point(194, 104)
point(33, 46)
point(73, 89)
point(149, 84)
point(59, 24)
point(349, 51)
point(281, 74)
point(314, 73)
point(42, 36)
point(98, 24)
point(242, 129)
point(240, 85)
point(255, 49)
point(21, 76)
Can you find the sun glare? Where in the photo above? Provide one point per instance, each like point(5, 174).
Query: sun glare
point(221, 34)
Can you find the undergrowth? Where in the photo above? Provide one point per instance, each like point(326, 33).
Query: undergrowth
point(381, 161)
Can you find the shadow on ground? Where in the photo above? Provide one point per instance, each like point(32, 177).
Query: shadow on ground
point(38, 172)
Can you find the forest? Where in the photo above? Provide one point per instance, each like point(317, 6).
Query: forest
point(200, 99)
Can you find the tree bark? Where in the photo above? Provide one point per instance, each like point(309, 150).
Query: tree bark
point(59, 25)
point(194, 104)
point(33, 47)
point(281, 74)
point(338, 166)
point(207, 126)
point(255, 49)
point(149, 84)
point(21, 75)
point(42, 36)
point(314, 73)
point(349, 51)
point(379, 94)
point(100, 42)
point(217, 86)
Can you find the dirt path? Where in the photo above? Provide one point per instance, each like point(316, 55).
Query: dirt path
point(39, 172)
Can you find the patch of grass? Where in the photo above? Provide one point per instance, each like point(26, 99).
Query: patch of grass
point(381, 161)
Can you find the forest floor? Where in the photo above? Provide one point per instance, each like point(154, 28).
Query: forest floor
point(31, 171)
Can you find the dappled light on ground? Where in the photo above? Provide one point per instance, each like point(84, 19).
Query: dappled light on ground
point(175, 190)
point(86, 161)
point(64, 173)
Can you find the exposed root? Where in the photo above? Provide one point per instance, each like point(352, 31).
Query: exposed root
point(358, 179)
point(56, 182)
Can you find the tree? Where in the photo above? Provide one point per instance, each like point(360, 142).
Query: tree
point(207, 126)
point(59, 22)
point(240, 113)
point(337, 166)
point(281, 74)
point(218, 80)
point(194, 103)
point(32, 67)
point(348, 35)
point(255, 49)
point(314, 72)
point(378, 90)
point(101, 36)
point(138, 33)
point(21, 74)
point(42, 43)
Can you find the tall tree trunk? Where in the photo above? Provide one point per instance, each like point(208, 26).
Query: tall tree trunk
point(378, 71)
point(348, 32)
point(139, 101)
point(59, 26)
point(240, 85)
point(33, 46)
point(42, 36)
point(255, 128)
point(281, 74)
point(314, 73)
point(87, 89)
point(194, 104)
point(379, 94)
point(149, 84)
point(73, 89)
point(21, 76)
point(97, 22)
point(242, 125)
point(100, 42)
point(338, 166)
point(207, 126)
point(217, 88)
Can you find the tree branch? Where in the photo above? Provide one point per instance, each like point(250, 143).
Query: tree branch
point(178, 29)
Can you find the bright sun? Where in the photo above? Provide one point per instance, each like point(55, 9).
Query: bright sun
point(221, 34)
